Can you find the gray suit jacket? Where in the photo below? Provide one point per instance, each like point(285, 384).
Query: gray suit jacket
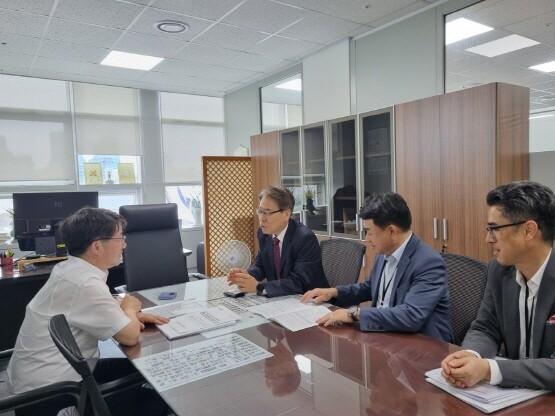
point(497, 328)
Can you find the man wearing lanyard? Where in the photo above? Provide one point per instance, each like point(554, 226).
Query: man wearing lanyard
point(407, 285)
point(517, 316)
point(289, 260)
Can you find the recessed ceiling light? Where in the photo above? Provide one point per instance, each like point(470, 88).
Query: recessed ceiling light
point(131, 60)
point(294, 84)
point(462, 28)
point(546, 67)
point(171, 26)
point(501, 46)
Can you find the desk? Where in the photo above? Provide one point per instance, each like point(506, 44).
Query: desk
point(342, 372)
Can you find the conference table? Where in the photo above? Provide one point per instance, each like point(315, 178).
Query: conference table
point(315, 371)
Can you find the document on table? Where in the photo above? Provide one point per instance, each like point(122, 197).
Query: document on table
point(200, 321)
point(484, 396)
point(183, 307)
point(182, 365)
point(291, 313)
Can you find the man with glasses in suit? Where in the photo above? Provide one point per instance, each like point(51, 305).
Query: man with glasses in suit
point(516, 319)
point(77, 288)
point(289, 260)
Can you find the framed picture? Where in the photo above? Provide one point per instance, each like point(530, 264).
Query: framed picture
point(126, 172)
point(93, 173)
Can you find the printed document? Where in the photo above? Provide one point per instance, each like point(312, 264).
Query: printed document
point(484, 396)
point(200, 321)
point(291, 313)
point(183, 307)
point(182, 365)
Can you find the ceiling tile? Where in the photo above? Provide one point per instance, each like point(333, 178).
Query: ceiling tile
point(41, 7)
point(18, 44)
point(147, 21)
point(205, 9)
point(81, 33)
point(264, 15)
point(61, 50)
point(176, 66)
point(18, 23)
point(205, 54)
point(148, 45)
point(320, 28)
point(254, 62)
point(108, 13)
point(15, 60)
point(285, 48)
point(229, 37)
point(225, 74)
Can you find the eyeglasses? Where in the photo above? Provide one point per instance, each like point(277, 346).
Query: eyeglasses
point(266, 214)
point(492, 228)
point(122, 238)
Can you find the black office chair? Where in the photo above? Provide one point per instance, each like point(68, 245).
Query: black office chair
point(342, 260)
point(8, 402)
point(90, 391)
point(154, 254)
point(467, 282)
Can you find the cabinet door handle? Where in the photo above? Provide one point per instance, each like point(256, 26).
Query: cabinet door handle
point(445, 228)
point(357, 219)
point(435, 228)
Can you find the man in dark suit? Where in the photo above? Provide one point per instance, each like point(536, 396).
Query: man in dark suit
point(517, 316)
point(289, 260)
point(407, 285)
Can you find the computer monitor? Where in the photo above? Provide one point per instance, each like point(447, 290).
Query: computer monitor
point(37, 215)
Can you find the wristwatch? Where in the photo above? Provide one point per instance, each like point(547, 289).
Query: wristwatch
point(353, 312)
point(260, 289)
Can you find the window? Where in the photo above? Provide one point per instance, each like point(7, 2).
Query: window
point(282, 104)
point(192, 127)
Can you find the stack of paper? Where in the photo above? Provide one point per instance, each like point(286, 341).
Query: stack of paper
point(291, 313)
point(484, 396)
point(182, 307)
point(200, 321)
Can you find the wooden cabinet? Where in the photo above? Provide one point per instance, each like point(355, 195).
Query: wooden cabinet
point(451, 150)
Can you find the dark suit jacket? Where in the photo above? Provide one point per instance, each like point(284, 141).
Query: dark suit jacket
point(420, 296)
point(498, 323)
point(301, 262)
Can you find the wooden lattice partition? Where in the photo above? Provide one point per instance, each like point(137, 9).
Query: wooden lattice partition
point(228, 209)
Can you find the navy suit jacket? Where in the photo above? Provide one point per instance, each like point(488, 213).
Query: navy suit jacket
point(419, 297)
point(301, 262)
point(498, 323)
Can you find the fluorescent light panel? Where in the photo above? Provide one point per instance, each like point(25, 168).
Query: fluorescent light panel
point(462, 28)
point(294, 84)
point(546, 67)
point(502, 46)
point(131, 60)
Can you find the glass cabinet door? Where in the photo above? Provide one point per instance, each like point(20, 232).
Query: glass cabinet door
point(376, 128)
point(343, 174)
point(314, 178)
point(290, 158)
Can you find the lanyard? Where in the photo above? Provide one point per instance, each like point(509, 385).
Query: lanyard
point(385, 287)
point(528, 321)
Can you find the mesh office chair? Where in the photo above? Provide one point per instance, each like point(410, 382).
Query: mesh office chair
point(342, 260)
point(467, 282)
point(154, 253)
point(90, 391)
point(8, 401)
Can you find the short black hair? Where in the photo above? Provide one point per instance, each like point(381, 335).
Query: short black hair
point(524, 201)
point(283, 196)
point(87, 225)
point(387, 208)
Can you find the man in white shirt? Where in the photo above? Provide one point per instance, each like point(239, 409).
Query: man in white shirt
point(77, 288)
point(517, 316)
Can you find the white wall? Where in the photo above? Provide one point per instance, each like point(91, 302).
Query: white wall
point(326, 84)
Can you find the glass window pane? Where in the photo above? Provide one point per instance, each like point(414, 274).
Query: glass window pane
point(282, 104)
point(189, 203)
point(108, 169)
point(116, 200)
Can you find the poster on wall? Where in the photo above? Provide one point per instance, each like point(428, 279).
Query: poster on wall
point(93, 173)
point(126, 172)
